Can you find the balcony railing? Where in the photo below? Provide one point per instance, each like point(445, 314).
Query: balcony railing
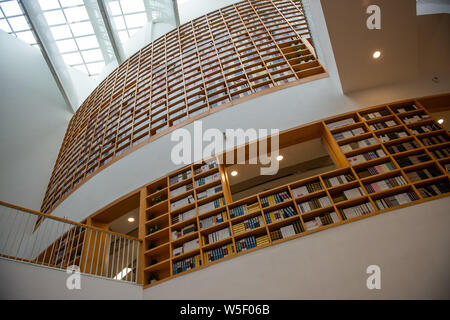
point(62, 244)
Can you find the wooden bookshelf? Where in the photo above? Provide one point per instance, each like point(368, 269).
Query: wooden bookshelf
point(238, 52)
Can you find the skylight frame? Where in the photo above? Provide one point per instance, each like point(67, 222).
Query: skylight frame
point(5, 17)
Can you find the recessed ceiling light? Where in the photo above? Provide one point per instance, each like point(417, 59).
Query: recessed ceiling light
point(131, 219)
point(234, 173)
point(376, 54)
point(280, 157)
point(441, 121)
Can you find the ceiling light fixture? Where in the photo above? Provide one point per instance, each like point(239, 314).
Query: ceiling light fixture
point(131, 219)
point(441, 121)
point(234, 173)
point(280, 157)
point(376, 54)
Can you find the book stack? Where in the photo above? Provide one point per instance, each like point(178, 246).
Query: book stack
point(208, 179)
point(423, 174)
point(275, 198)
point(415, 118)
point(186, 247)
point(377, 114)
point(382, 125)
point(405, 146)
point(348, 134)
point(348, 194)
point(392, 135)
point(180, 177)
point(287, 231)
point(435, 189)
point(358, 144)
point(182, 202)
point(340, 123)
point(356, 211)
point(314, 204)
point(209, 192)
point(396, 200)
point(441, 153)
point(322, 220)
point(184, 216)
point(411, 160)
point(429, 141)
point(306, 189)
point(251, 242)
point(186, 264)
point(338, 180)
point(183, 232)
point(180, 190)
point(280, 214)
point(374, 170)
point(218, 253)
point(218, 203)
point(249, 224)
point(213, 220)
point(386, 184)
point(244, 209)
point(406, 108)
point(216, 236)
point(366, 156)
point(425, 128)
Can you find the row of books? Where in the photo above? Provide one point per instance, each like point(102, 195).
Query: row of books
point(356, 211)
point(184, 216)
point(435, 189)
point(406, 108)
point(314, 204)
point(205, 180)
point(182, 202)
point(186, 264)
point(396, 200)
point(322, 220)
point(348, 134)
point(209, 192)
point(358, 144)
point(180, 190)
point(340, 123)
point(366, 156)
point(244, 209)
point(415, 118)
point(412, 160)
point(338, 180)
point(386, 184)
point(218, 253)
point(184, 231)
point(425, 128)
point(213, 220)
point(280, 214)
point(180, 177)
point(392, 136)
point(218, 203)
point(216, 236)
point(207, 166)
point(382, 125)
point(423, 174)
point(428, 141)
point(251, 242)
point(405, 146)
point(274, 199)
point(287, 231)
point(349, 194)
point(249, 224)
point(376, 114)
point(441, 153)
point(186, 247)
point(378, 169)
point(307, 188)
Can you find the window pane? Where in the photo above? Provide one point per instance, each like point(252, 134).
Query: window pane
point(81, 68)
point(136, 20)
point(115, 8)
point(95, 68)
point(54, 17)
point(66, 45)
point(49, 4)
point(76, 14)
point(70, 3)
point(61, 32)
point(88, 42)
point(11, 8)
point(123, 35)
point(130, 6)
point(26, 36)
point(92, 55)
point(4, 26)
point(72, 58)
point(82, 28)
point(119, 23)
point(18, 23)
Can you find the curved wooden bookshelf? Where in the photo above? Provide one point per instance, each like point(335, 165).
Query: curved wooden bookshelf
point(215, 61)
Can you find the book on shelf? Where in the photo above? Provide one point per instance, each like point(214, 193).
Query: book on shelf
point(216, 236)
point(405, 146)
point(376, 114)
point(435, 139)
point(356, 211)
point(378, 169)
point(441, 153)
point(207, 166)
point(322, 220)
point(244, 209)
point(213, 220)
point(423, 174)
point(184, 216)
point(274, 199)
point(338, 180)
point(209, 192)
point(358, 144)
point(186, 264)
point(348, 134)
point(248, 224)
point(205, 180)
point(314, 204)
point(182, 202)
point(386, 184)
point(306, 189)
point(396, 200)
point(412, 160)
point(367, 156)
point(180, 177)
point(184, 231)
point(218, 203)
point(435, 189)
point(340, 123)
point(218, 253)
point(180, 190)
point(382, 125)
point(415, 118)
point(425, 128)
point(186, 247)
point(348, 194)
point(406, 108)
point(287, 231)
point(280, 214)
point(392, 136)
point(251, 242)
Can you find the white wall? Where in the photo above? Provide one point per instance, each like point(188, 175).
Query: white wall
point(33, 120)
point(410, 245)
point(191, 9)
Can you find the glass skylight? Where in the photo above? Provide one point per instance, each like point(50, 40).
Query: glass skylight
point(128, 16)
point(14, 22)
